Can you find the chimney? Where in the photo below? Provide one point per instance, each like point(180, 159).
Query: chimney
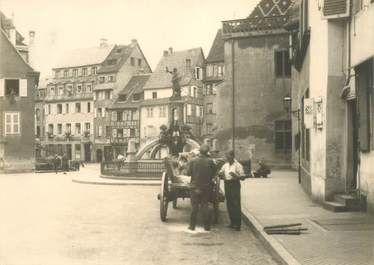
point(170, 50)
point(134, 41)
point(103, 42)
point(31, 45)
point(165, 53)
point(13, 31)
point(31, 37)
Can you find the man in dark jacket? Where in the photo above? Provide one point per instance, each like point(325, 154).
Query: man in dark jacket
point(202, 170)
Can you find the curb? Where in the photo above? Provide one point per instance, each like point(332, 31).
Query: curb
point(124, 183)
point(277, 251)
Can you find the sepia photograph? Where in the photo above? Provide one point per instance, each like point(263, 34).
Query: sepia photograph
point(211, 132)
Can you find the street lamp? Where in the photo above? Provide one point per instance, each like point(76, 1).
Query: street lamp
point(287, 104)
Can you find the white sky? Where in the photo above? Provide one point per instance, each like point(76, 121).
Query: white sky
point(62, 25)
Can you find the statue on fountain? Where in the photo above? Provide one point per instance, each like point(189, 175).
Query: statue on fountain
point(175, 79)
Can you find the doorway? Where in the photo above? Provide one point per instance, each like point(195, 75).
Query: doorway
point(99, 155)
point(353, 152)
point(87, 152)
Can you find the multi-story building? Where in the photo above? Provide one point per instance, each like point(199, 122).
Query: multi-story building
point(17, 82)
point(251, 114)
point(113, 75)
point(69, 103)
point(39, 95)
point(156, 107)
point(332, 88)
point(214, 75)
point(125, 118)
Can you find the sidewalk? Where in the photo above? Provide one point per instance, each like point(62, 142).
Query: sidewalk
point(331, 239)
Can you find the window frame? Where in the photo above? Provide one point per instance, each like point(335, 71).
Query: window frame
point(12, 123)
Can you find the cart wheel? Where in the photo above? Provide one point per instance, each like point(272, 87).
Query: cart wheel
point(175, 204)
point(163, 198)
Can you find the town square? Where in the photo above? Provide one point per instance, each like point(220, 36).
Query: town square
point(187, 132)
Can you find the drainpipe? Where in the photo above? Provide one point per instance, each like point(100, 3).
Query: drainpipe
point(233, 92)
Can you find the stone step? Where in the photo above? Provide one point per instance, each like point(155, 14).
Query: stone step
point(351, 202)
point(334, 206)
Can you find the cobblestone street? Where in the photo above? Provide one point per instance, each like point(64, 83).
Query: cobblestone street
point(47, 219)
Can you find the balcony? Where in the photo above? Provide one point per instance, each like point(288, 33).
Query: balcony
point(125, 124)
point(253, 26)
point(69, 97)
point(123, 140)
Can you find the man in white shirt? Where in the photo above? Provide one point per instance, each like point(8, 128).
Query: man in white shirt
point(232, 172)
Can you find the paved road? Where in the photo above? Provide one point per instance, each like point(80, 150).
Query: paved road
point(48, 220)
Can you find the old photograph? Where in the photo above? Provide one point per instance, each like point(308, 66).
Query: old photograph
point(211, 132)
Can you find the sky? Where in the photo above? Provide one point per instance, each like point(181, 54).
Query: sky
point(63, 25)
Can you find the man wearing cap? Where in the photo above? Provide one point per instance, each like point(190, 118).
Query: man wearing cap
point(202, 169)
point(232, 172)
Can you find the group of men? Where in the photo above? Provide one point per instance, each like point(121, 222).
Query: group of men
point(202, 170)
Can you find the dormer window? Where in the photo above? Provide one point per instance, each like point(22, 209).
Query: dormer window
point(198, 73)
point(122, 97)
point(112, 62)
point(188, 64)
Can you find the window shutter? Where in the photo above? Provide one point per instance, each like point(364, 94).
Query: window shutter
point(363, 83)
point(95, 113)
point(2, 88)
point(201, 73)
point(23, 88)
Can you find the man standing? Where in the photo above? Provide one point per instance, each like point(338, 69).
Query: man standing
point(202, 170)
point(231, 172)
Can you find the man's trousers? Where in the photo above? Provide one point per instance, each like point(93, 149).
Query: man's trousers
point(232, 193)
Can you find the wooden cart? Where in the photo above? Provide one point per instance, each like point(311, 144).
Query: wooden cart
point(171, 190)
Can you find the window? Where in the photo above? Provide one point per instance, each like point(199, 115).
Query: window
point(127, 115)
point(119, 115)
point(112, 62)
point(75, 72)
point(208, 90)
point(12, 123)
point(88, 88)
point(66, 73)
point(69, 90)
point(209, 128)
point(195, 92)
point(87, 126)
point(59, 129)
point(282, 64)
point(110, 78)
point(108, 94)
point(79, 88)
point(57, 74)
point(88, 107)
point(78, 128)
point(93, 70)
point(84, 71)
point(198, 73)
point(100, 131)
point(49, 109)
point(77, 107)
point(220, 70)
point(99, 112)
point(59, 108)
point(283, 138)
point(132, 61)
point(209, 108)
point(106, 113)
point(60, 90)
point(154, 94)
point(50, 129)
point(67, 107)
point(12, 87)
point(193, 110)
point(132, 132)
point(37, 114)
point(163, 111)
point(135, 115)
point(102, 79)
point(120, 133)
point(149, 112)
point(107, 131)
point(188, 64)
point(139, 62)
point(136, 97)
point(68, 128)
point(209, 70)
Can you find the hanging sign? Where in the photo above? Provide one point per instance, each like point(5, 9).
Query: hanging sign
point(319, 113)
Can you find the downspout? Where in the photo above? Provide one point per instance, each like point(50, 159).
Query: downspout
point(233, 92)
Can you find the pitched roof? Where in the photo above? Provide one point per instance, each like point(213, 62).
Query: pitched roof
point(135, 85)
point(270, 13)
point(216, 53)
point(161, 79)
point(115, 59)
point(84, 56)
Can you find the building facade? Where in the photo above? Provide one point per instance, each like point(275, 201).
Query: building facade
point(125, 117)
point(157, 107)
point(17, 83)
point(122, 63)
point(332, 88)
point(251, 115)
point(213, 78)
